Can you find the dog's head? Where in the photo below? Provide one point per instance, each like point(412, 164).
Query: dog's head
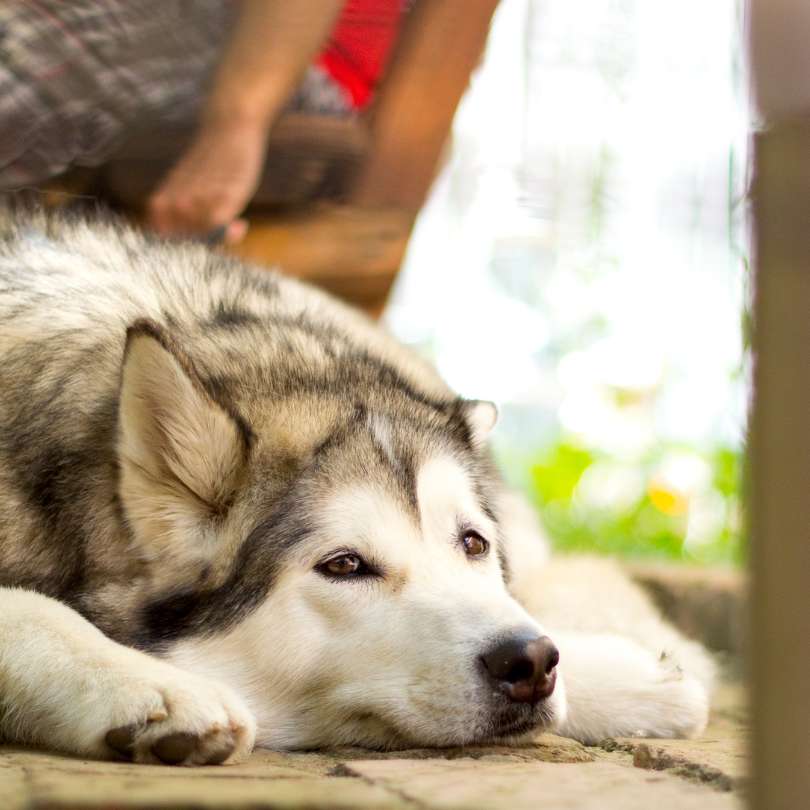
point(336, 555)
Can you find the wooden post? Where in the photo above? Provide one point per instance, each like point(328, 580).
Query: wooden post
point(780, 470)
point(780, 442)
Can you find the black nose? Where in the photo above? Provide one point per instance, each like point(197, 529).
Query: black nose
point(523, 668)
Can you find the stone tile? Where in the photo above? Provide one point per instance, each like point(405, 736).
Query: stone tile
point(548, 772)
point(718, 757)
point(263, 764)
point(194, 790)
point(35, 780)
point(13, 787)
point(463, 784)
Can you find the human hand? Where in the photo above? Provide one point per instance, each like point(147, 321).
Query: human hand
point(211, 184)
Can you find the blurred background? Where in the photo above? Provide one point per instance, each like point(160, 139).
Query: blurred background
point(581, 261)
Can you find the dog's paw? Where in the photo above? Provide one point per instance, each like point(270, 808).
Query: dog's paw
point(678, 704)
point(616, 688)
point(161, 714)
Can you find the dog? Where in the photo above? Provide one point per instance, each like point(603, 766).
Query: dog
point(235, 512)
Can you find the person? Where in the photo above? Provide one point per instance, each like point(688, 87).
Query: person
point(76, 77)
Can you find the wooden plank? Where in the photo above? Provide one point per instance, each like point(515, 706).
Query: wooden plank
point(780, 469)
point(439, 47)
point(353, 253)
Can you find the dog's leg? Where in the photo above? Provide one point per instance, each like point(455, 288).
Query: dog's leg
point(615, 687)
point(64, 685)
point(626, 671)
point(595, 596)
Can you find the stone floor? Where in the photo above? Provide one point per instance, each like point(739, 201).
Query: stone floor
point(551, 773)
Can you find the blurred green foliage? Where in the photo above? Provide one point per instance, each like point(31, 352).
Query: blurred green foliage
point(696, 520)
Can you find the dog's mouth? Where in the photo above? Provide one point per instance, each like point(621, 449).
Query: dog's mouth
point(520, 722)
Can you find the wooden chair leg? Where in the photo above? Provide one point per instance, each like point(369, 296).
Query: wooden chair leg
point(412, 116)
point(440, 45)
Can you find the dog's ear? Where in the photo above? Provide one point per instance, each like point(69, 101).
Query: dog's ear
point(181, 451)
point(481, 416)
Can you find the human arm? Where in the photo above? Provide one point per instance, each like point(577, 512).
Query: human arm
point(272, 44)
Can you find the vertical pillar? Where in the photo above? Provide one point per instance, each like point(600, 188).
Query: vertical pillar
point(780, 443)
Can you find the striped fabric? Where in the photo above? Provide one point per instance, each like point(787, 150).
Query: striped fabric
point(75, 74)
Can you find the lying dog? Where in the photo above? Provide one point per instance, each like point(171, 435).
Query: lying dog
point(234, 512)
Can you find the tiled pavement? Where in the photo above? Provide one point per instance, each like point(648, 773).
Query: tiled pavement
point(551, 773)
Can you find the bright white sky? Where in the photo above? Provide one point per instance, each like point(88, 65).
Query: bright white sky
point(584, 242)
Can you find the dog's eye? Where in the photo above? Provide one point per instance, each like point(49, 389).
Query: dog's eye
point(343, 565)
point(474, 544)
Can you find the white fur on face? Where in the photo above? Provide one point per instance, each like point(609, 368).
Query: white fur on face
point(385, 661)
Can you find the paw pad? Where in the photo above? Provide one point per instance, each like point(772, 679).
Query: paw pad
point(179, 747)
point(121, 740)
point(175, 748)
